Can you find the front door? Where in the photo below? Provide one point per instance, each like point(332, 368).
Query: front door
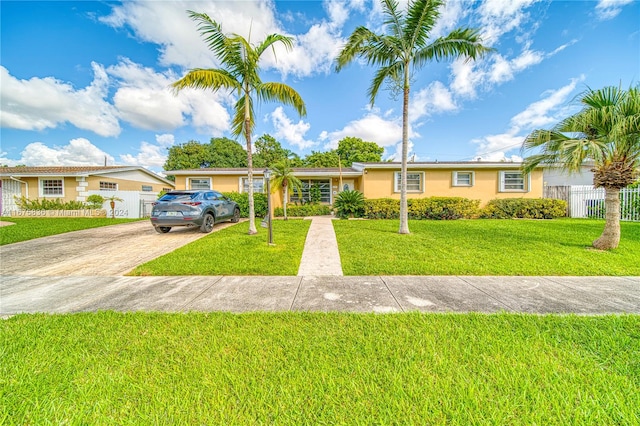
point(347, 185)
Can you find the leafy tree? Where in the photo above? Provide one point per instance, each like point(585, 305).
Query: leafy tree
point(283, 178)
point(190, 155)
point(268, 151)
point(607, 132)
point(226, 152)
point(240, 73)
point(353, 150)
point(405, 48)
point(321, 159)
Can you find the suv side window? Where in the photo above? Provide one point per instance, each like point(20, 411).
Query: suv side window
point(217, 196)
point(210, 196)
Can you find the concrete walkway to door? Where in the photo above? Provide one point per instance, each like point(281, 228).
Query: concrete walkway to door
point(320, 256)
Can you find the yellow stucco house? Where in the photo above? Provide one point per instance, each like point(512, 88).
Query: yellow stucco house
point(482, 181)
point(67, 183)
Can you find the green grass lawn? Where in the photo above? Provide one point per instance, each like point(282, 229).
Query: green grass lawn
point(313, 368)
point(485, 247)
point(30, 228)
point(232, 251)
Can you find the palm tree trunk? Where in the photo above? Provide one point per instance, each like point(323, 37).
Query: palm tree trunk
point(610, 237)
point(404, 216)
point(284, 203)
point(247, 135)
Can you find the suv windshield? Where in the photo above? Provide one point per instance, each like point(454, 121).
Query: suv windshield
point(172, 196)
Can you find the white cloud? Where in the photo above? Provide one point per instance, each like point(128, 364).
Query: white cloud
point(498, 17)
point(547, 111)
point(46, 103)
point(79, 152)
point(313, 51)
point(609, 9)
point(433, 99)
point(293, 133)
point(150, 155)
point(144, 99)
point(372, 127)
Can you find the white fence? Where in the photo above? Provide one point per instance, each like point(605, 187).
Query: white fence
point(134, 205)
point(587, 201)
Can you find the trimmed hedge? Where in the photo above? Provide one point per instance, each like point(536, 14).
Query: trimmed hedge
point(524, 208)
point(304, 210)
point(49, 204)
point(259, 203)
point(433, 208)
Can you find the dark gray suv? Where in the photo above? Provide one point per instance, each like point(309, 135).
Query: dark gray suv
point(203, 208)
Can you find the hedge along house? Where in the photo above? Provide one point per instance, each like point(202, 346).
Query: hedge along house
point(482, 181)
point(137, 186)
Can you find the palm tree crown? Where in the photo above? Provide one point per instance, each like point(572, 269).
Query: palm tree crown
point(407, 47)
point(283, 178)
point(606, 131)
point(239, 73)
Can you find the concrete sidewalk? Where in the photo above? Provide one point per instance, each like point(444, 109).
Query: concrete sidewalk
point(380, 294)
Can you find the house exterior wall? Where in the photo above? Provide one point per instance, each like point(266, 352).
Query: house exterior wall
point(379, 183)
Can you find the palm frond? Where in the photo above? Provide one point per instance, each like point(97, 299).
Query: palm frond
point(238, 121)
point(270, 40)
point(207, 79)
point(392, 72)
point(462, 42)
point(393, 19)
point(360, 37)
point(421, 17)
point(280, 92)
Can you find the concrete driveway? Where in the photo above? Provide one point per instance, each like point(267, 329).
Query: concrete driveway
point(106, 251)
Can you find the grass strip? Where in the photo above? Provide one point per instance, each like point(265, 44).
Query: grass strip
point(232, 251)
point(317, 368)
point(485, 247)
point(30, 228)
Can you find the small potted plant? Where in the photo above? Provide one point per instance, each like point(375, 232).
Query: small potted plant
point(112, 202)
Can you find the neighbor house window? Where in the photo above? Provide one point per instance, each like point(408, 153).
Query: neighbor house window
point(463, 179)
point(51, 187)
point(512, 182)
point(108, 186)
point(147, 188)
point(200, 183)
point(415, 181)
point(258, 185)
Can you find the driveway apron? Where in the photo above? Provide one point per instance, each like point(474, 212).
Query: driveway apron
point(106, 251)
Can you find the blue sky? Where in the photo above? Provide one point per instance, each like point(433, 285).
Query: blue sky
point(81, 81)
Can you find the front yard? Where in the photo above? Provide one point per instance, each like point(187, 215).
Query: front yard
point(373, 247)
point(303, 368)
point(30, 228)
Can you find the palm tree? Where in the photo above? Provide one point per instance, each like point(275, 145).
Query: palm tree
point(406, 48)
point(240, 73)
point(607, 132)
point(283, 178)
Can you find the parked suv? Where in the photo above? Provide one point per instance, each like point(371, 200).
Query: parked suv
point(203, 208)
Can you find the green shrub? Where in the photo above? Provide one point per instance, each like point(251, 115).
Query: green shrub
point(443, 208)
point(434, 208)
point(46, 204)
point(349, 204)
point(95, 201)
point(524, 208)
point(304, 210)
point(259, 203)
point(381, 208)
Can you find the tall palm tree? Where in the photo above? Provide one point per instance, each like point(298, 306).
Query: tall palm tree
point(283, 178)
point(607, 132)
point(406, 47)
point(239, 73)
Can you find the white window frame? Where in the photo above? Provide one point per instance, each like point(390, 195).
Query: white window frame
point(397, 178)
point(108, 183)
point(41, 187)
point(255, 181)
point(526, 181)
point(472, 179)
point(199, 178)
